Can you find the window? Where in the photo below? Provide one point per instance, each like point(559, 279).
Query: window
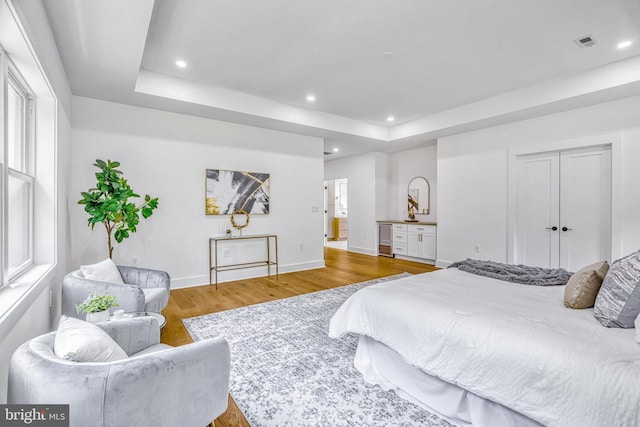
point(17, 223)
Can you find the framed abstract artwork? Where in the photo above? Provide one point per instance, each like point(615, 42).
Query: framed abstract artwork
point(228, 191)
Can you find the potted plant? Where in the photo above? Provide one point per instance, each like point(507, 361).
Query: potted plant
point(96, 307)
point(108, 203)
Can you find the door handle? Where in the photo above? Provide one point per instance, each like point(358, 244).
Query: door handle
point(566, 229)
point(554, 228)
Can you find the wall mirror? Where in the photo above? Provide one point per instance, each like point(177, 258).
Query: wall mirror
point(419, 193)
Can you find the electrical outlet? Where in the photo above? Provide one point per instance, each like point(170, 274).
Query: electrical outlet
point(301, 247)
point(476, 249)
point(134, 261)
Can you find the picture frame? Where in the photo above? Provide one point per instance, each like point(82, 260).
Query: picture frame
point(227, 191)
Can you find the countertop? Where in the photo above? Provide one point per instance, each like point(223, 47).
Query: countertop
point(398, 221)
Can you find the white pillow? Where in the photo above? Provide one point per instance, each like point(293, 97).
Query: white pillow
point(105, 271)
point(81, 341)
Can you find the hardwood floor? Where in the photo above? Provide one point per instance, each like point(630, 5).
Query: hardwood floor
point(342, 268)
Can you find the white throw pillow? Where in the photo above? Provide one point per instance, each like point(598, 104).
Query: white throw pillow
point(81, 341)
point(105, 271)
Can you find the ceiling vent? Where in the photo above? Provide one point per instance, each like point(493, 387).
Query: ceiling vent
point(586, 41)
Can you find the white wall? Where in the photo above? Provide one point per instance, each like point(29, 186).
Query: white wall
point(165, 155)
point(473, 177)
point(31, 315)
point(405, 166)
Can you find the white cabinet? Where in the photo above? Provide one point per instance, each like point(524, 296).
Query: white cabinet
point(414, 240)
point(399, 239)
point(421, 241)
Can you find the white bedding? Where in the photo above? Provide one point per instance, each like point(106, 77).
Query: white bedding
point(514, 344)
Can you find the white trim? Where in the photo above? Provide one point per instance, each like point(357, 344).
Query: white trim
point(613, 139)
point(249, 273)
point(363, 251)
point(443, 264)
point(420, 260)
point(4, 171)
point(17, 298)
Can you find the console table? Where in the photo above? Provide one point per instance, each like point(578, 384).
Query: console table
point(214, 266)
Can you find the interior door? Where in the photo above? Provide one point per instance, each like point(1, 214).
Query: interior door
point(563, 208)
point(585, 207)
point(538, 205)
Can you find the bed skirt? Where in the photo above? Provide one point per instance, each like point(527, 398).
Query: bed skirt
point(383, 366)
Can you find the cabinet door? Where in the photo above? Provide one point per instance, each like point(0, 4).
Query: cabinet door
point(414, 244)
point(429, 245)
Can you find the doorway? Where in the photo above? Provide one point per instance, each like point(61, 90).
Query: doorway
point(336, 213)
point(563, 208)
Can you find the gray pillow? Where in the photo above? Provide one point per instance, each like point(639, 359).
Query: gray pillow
point(618, 301)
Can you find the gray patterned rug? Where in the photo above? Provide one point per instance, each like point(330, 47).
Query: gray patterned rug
point(286, 371)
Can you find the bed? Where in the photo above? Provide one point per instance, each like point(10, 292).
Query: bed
point(517, 358)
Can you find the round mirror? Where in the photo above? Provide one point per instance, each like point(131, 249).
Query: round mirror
point(418, 195)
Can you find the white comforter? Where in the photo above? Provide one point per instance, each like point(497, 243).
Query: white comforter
point(514, 344)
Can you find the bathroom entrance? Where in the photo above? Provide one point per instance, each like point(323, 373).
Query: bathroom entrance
point(336, 213)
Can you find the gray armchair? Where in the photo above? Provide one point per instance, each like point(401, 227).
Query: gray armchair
point(145, 290)
point(158, 385)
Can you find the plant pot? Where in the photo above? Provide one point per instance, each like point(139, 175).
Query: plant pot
point(99, 316)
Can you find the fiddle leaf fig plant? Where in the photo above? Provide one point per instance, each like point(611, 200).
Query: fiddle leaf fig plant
point(108, 203)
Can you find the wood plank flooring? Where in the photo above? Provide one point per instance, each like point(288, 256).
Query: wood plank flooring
point(342, 268)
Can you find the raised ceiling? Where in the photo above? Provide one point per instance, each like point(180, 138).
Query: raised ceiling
point(439, 67)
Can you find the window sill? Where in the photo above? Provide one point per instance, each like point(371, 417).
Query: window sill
point(16, 298)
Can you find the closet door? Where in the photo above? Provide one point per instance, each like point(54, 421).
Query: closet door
point(538, 204)
point(585, 207)
point(563, 208)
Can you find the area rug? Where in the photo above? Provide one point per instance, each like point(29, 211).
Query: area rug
point(286, 371)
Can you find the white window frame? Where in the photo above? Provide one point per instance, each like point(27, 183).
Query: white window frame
point(11, 76)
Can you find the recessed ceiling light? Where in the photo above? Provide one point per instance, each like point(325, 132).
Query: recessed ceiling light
point(624, 44)
point(180, 63)
point(311, 98)
point(335, 150)
point(390, 118)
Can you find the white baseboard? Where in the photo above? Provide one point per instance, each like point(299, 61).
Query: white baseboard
point(248, 273)
point(420, 260)
point(443, 264)
point(364, 251)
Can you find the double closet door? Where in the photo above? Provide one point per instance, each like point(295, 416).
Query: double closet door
point(563, 208)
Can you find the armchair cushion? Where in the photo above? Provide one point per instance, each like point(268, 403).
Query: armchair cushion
point(104, 271)
point(80, 341)
point(135, 334)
